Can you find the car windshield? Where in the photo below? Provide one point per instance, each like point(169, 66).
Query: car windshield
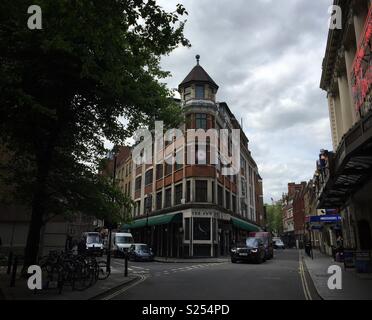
point(142, 248)
point(93, 238)
point(123, 239)
point(279, 242)
point(251, 242)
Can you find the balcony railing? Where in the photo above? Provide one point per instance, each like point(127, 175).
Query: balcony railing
point(348, 168)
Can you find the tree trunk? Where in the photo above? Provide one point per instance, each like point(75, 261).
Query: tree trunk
point(38, 209)
point(36, 223)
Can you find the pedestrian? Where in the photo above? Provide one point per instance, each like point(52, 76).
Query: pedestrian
point(340, 242)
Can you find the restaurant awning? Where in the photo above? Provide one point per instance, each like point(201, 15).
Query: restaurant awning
point(245, 225)
point(154, 221)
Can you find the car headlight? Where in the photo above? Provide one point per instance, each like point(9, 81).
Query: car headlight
point(233, 250)
point(254, 250)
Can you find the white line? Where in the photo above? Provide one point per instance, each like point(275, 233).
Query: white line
point(115, 294)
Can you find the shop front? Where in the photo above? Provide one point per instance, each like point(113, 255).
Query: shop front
point(326, 229)
point(207, 233)
point(162, 232)
point(191, 233)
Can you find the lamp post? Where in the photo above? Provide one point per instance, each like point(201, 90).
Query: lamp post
point(112, 156)
point(147, 226)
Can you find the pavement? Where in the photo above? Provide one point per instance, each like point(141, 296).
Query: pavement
point(354, 286)
point(115, 281)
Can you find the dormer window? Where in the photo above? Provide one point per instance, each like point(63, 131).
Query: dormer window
point(199, 92)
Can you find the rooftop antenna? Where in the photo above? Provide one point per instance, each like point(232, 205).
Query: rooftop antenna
point(197, 59)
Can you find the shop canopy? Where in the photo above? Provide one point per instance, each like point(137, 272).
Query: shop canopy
point(154, 221)
point(245, 225)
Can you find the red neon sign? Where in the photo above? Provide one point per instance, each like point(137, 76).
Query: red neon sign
point(362, 66)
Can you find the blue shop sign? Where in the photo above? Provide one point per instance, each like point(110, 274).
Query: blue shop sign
point(326, 218)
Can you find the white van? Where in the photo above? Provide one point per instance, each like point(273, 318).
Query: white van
point(121, 242)
point(93, 243)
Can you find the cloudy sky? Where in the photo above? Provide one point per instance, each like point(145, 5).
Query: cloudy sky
point(266, 56)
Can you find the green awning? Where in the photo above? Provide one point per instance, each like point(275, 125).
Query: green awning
point(154, 221)
point(241, 224)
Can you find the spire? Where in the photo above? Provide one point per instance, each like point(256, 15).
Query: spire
point(198, 75)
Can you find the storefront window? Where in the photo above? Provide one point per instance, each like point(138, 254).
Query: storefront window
point(202, 229)
point(187, 229)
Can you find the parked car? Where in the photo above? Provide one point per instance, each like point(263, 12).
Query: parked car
point(140, 252)
point(268, 242)
point(93, 243)
point(252, 249)
point(121, 242)
point(279, 244)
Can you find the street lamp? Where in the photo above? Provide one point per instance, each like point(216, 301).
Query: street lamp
point(147, 225)
point(112, 156)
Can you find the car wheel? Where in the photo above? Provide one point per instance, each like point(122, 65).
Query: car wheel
point(233, 260)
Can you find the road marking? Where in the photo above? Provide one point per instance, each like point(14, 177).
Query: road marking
point(119, 292)
point(305, 286)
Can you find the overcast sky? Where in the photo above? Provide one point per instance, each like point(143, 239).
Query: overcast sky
point(266, 56)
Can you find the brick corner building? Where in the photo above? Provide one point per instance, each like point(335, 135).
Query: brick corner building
point(192, 210)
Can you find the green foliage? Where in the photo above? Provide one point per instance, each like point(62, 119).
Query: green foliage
point(63, 89)
point(274, 218)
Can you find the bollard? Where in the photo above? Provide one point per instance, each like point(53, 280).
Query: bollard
point(126, 266)
point(10, 260)
point(14, 272)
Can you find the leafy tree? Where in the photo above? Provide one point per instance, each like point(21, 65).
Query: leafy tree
point(274, 218)
point(63, 89)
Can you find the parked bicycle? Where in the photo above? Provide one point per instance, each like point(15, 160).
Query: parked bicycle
point(67, 269)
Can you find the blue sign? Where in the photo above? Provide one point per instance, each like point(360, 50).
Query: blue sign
point(334, 218)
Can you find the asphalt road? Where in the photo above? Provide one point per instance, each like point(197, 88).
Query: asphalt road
point(282, 278)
